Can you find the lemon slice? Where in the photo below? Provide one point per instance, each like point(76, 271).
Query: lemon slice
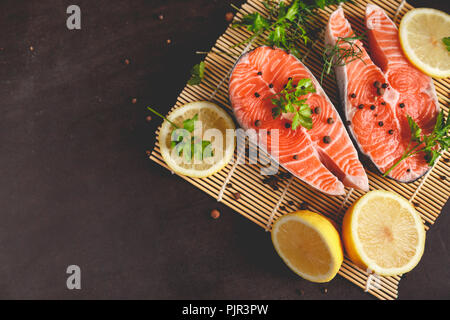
point(309, 244)
point(421, 33)
point(216, 127)
point(383, 232)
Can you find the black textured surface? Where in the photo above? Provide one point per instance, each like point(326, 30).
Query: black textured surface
point(76, 185)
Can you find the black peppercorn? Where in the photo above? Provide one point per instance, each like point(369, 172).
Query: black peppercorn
point(376, 84)
point(372, 107)
point(360, 106)
point(384, 85)
point(401, 105)
point(317, 110)
point(287, 125)
point(380, 123)
point(327, 139)
point(258, 123)
point(330, 120)
point(259, 73)
point(257, 94)
point(391, 131)
point(353, 95)
point(270, 85)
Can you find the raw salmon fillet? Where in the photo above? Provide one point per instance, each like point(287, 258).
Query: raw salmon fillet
point(328, 167)
point(378, 120)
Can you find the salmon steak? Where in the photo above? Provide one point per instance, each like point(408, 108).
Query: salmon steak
point(378, 92)
point(324, 156)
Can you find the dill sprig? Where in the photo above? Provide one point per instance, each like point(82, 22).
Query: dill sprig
point(344, 51)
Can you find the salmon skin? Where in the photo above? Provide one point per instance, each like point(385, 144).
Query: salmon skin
point(326, 165)
point(378, 117)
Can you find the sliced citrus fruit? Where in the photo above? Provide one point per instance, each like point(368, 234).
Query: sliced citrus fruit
point(383, 232)
point(215, 128)
point(421, 34)
point(309, 244)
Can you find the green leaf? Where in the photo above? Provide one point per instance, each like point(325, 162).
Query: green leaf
point(295, 121)
point(446, 42)
point(291, 14)
point(276, 112)
point(304, 87)
point(415, 130)
point(197, 74)
point(254, 22)
point(189, 124)
point(277, 37)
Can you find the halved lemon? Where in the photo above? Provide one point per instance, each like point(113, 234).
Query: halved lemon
point(421, 33)
point(214, 126)
point(309, 244)
point(383, 232)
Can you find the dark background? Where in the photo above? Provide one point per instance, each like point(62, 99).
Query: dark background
point(76, 184)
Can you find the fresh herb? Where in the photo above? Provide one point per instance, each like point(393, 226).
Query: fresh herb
point(285, 24)
point(197, 74)
point(446, 41)
point(433, 144)
point(288, 101)
point(344, 51)
point(184, 143)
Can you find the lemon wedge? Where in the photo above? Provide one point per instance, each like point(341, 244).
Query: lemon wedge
point(383, 232)
point(215, 128)
point(421, 34)
point(309, 244)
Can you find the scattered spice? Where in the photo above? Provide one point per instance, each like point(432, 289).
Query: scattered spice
point(295, 157)
point(391, 131)
point(126, 61)
point(287, 125)
point(384, 85)
point(290, 202)
point(229, 185)
point(133, 101)
point(237, 195)
point(168, 41)
point(290, 79)
point(380, 91)
point(372, 107)
point(401, 105)
point(360, 106)
point(148, 118)
point(327, 139)
point(330, 120)
point(31, 48)
point(270, 85)
point(259, 73)
point(447, 160)
point(383, 103)
point(229, 16)
point(215, 214)
point(161, 16)
point(408, 170)
point(353, 95)
point(348, 122)
point(268, 132)
point(416, 204)
point(257, 94)
point(317, 110)
point(258, 123)
point(376, 84)
point(443, 177)
point(380, 123)
point(283, 208)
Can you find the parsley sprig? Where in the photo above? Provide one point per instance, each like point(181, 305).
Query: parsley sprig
point(433, 144)
point(446, 42)
point(285, 24)
point(184, 143)
point(197, 73)
point(288, 101)
point(344, 51)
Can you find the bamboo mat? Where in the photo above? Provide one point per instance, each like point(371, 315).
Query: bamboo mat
point(261, 203)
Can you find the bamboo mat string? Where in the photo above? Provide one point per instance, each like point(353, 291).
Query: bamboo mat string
point(372, 282)
point(275, 209)
point(344, 202)
point(399, 8)
point(227, 179)
point(423, 180)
